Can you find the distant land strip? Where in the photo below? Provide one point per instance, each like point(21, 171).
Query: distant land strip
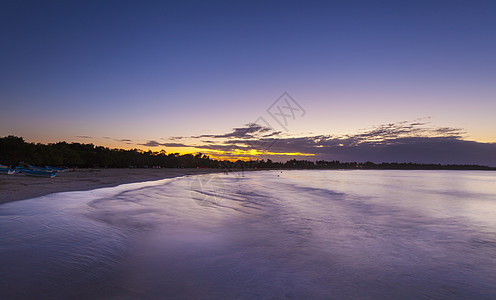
point(14, 151)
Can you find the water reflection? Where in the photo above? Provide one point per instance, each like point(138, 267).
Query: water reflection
point(296, 234)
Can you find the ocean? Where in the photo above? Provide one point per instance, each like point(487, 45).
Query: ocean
point(302, 234)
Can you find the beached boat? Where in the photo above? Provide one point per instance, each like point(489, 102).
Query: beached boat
point(54, 169)
point(7, 171)
point(37, 173)
point(40, 172)
point(30, 167)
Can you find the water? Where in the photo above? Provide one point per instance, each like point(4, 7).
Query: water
point(272, 234)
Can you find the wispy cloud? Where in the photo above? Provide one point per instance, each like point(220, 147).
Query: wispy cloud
point(153, 143)
point(125, 141)
point(254, 135)
point(251, 130)
point(84, 136)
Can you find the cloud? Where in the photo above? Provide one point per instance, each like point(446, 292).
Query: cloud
point(379, 135)
point(152, 143)
point(250, 130)
point(176, 145)
point(126, 141)
point(84, 136)
point(275, 133)
point(414, 141)
point(404, 141)
point(403, 129)
point(445, 150)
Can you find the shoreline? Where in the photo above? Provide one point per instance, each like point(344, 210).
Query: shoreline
point(20, 187)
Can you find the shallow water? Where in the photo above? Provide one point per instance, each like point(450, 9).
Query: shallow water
point(272, 234)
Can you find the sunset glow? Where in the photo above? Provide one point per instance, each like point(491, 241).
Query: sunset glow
point(177, 70)
point(248, 149)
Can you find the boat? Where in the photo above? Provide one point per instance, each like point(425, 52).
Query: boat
point(30, 167)
point(7, 171)
point(54, 169)
point(37, 173)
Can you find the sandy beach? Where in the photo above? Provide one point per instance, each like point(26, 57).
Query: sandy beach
point(19, 187)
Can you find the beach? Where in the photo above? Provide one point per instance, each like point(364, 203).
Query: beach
point(19, 187)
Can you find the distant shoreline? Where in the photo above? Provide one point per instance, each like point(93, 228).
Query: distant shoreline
point(20, 187)
point(14, 151)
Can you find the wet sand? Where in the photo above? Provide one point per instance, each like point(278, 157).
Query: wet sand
point(19, 186)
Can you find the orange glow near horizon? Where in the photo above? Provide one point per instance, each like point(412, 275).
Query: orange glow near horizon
point(230, 155)
point(246, 155)
point(234, 155)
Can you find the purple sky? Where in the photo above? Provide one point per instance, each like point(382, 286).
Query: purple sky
point(130, 73)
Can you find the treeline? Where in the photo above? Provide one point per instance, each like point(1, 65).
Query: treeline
point(335, 164)
point(15, 151)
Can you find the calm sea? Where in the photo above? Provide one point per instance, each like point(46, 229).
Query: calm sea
point(258, 235)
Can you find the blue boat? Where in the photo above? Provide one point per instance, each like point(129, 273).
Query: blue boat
point(7, 171)
point(38, 173)
point(30, 167)
point(54, 169)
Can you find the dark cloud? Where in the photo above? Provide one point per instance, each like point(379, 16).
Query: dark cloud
point(223, 147)
point(387, 132)
point(251, 130)
point(275, 133)
point(126, 141)
point(153, 143)
point(445, 150)
point(176, 145)
point(395, 142)
point(404, 141)
point(84, 136)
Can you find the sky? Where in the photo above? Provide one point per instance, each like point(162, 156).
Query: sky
point(348, 80)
